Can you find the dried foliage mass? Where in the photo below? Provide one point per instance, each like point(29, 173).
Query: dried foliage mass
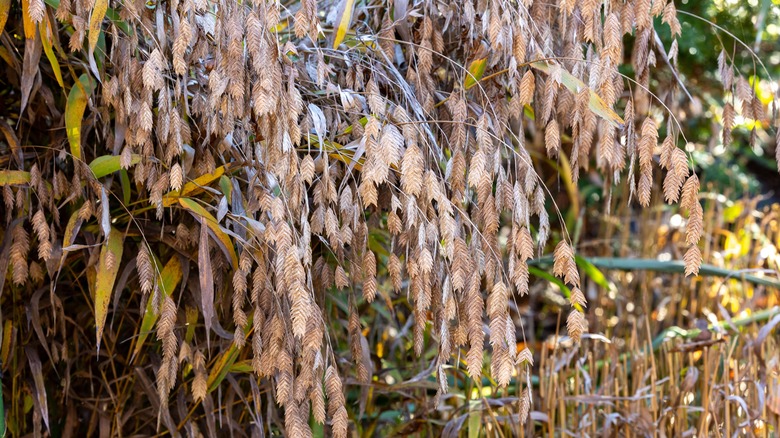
point(280, 157)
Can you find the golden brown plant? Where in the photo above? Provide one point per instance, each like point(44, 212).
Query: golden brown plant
point(285, 156)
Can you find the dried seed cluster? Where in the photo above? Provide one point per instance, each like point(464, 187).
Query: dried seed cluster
point(417, 131)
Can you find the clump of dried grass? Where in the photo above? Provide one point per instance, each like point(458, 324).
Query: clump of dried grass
point(279, 168)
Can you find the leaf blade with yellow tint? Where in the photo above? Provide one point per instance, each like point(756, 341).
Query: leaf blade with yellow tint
point(224, 363)
point(27, 23)
point(74, 112)
point(14, 177)
point(169, 278)
point(345, 19)
point(596, 103)
point(203, 215)
point(475, 72)
point(45, 29)
point(5, 8)
point(108, 267)
point(195, 186)
point(95, 22)
point(206, 278)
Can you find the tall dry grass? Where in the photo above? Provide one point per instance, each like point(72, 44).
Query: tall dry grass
point(347, 219)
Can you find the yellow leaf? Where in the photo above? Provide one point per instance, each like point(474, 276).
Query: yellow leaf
point(110, 260)
point(45, 28)
point(339, 152)
point(29, 26)
point(14, 177)
point(596, 103)
point(476, 70)
point(169, 278)
point(201, 213)
point(74, 112)
point(70, 231)
point(195, 186)
point(6, 56)
point(344, 21)
point(7, 332)
point(225, 362)
point(5, 7)
point(95, 20)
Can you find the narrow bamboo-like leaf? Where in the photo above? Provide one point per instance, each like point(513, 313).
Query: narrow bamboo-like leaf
point(345, 19)
point(169, 278)
point(340, 152)
point(45, 29)
point(226, 187)
point(124, 179)
point(105, 212)
point(108, 266)
point(552, 279)
point(36, 369)
point(206, 278)
point(6, 56)
point(204, 216)
point(14, 177)
point(225, 362)
point(475, 418)
point(107, 164)
point(475, 73)
point(5, 8)
point(71, 229)
point(74, 113)
point(30, 65)
point(195, 186)
point(27, 23)
point(626, 264)
point(95, 22)
point(8, 331)
point(593, 272)
point(596, 103)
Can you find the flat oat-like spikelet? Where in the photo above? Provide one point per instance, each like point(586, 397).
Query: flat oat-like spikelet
point(576, 325)
point(524, 244)
point(690, 192)
point(299, 296)
point(177, 177)
point(561, 256)
point(341, 279)
point(552, 138)
point(524, 406)
point(577, 297)
point(317, 398)
point(19, 250)
point(394, 271)
point(35, 10)
point(166, 325)
point(369, 276)
point(695, 225)
point(692, 260)
point(647, 142)
point(670, 18)
point(728, 123)
point(527, 87)
point(41, 229)
point(525, 356)
point(645, 186)
point(199, 382)
point(676, 175)
point(143, 264)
